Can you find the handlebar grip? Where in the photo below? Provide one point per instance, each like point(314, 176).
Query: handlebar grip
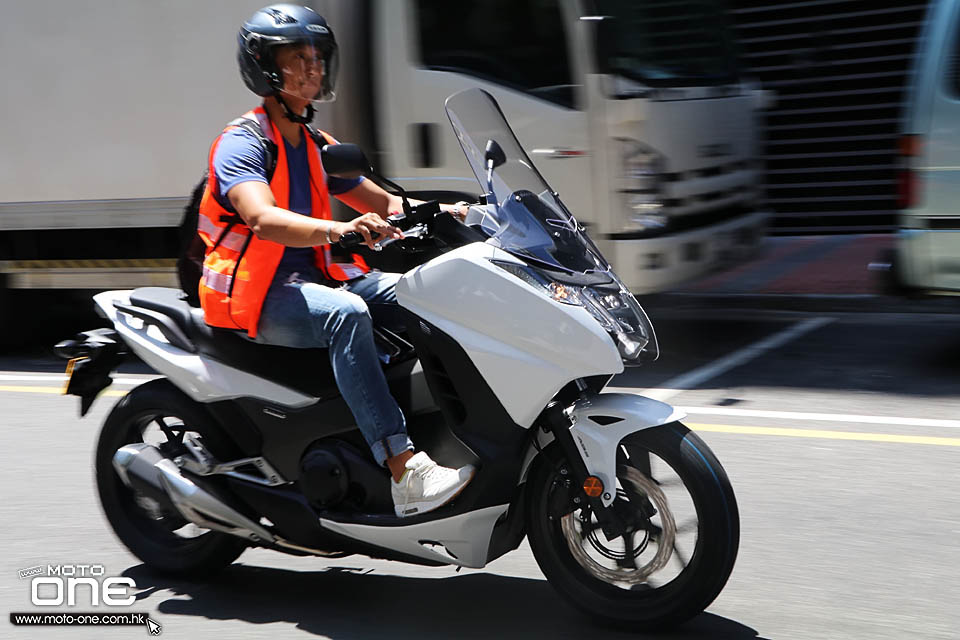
point(353, 239)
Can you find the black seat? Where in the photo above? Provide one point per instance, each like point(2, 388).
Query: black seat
point(305, 370)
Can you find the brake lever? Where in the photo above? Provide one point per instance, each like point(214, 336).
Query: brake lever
point(416, 231)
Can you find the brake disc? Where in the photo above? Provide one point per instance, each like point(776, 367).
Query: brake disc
point(665, 540)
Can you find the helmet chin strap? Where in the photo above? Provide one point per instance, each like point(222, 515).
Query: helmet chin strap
point(295, 117)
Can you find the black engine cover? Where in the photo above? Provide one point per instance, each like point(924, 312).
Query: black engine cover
point(323, 477)
point(336, 475)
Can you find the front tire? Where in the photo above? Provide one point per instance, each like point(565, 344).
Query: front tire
point(650, 584)
point(162, 540)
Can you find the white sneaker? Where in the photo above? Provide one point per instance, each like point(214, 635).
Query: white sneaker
point(425, 485)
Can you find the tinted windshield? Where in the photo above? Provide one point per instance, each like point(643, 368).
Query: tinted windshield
point(530, 220)
point(667, 42)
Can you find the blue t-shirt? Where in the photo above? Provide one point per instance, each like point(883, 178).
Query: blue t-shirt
point(241, 158)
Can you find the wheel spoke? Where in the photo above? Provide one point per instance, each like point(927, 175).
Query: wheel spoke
point(655, 531)
point(628, 561)
point(588, 528)
point(174, 436)
point(688, 526)
point(679, 556)
point(669, 482)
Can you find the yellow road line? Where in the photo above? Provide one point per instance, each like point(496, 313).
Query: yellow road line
point(717, 428)
point(822, 433)
point(52, 390)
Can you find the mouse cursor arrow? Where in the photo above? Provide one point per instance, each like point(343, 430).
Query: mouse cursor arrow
point(154, 627)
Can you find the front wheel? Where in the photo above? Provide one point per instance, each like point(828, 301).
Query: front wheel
point(681, 539)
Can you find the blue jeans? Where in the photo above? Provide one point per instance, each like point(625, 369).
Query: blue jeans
point(298, 312)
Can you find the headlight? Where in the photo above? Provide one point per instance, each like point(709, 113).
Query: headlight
point(618, 312)
point(623, 318)
point(640, 186)
point(556, 291)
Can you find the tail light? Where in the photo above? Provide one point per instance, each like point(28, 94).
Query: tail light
point(908, 181)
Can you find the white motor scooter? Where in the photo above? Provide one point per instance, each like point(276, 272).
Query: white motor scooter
point(512, 330)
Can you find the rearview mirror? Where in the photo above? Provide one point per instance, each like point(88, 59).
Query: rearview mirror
point(494, 153)
point(344, 161)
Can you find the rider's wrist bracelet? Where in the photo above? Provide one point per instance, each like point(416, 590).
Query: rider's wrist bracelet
point(326, 234)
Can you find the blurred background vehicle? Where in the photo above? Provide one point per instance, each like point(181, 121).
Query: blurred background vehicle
point(926, 257)
point(637, 112)
point(113, 122)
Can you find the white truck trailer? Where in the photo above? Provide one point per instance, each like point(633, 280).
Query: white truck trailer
point(634, 112)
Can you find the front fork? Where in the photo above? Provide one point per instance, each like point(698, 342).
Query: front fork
point(574, 472)
point(589, 434)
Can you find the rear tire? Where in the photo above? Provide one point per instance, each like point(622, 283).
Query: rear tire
point(152, 537)
point(642, 604)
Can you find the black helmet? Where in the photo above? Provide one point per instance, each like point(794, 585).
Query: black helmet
point(281, 24)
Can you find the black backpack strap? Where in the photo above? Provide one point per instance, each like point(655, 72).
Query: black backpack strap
point(270, 153)
point(318, 138)
point(269, 146)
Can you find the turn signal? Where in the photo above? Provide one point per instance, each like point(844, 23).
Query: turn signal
point(593, 487)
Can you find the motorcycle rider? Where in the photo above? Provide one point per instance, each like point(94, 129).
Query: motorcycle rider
point(271, 272)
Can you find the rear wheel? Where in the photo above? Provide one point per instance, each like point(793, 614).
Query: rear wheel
point(159, 414)
point(682, 534)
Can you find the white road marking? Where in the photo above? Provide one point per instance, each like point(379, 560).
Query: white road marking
point(823, 417)
point(828, 434)
point(691, 379)
point(11, 377)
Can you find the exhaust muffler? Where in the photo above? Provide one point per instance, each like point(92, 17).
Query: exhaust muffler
point(144, 469)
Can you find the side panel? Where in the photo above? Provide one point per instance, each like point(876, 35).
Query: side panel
point(525, 346)
point(201, 378)
point(465, 537)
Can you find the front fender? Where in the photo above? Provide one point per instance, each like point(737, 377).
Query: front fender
point(601, 421)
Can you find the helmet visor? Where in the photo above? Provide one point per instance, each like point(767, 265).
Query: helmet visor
point(306, 69)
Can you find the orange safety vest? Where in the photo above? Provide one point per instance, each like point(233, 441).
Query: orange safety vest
point(239, 266)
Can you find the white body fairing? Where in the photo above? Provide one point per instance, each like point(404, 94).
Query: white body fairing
point(598, 443)
point(466, 537)
point(203, 379)
point(525, 345)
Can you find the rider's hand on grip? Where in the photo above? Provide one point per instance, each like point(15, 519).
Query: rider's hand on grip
point(352, 239)
point(367, 229)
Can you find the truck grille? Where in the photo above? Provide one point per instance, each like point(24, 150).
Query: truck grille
point(839, 69)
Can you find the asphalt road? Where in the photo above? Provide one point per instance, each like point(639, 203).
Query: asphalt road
point(840, 433)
